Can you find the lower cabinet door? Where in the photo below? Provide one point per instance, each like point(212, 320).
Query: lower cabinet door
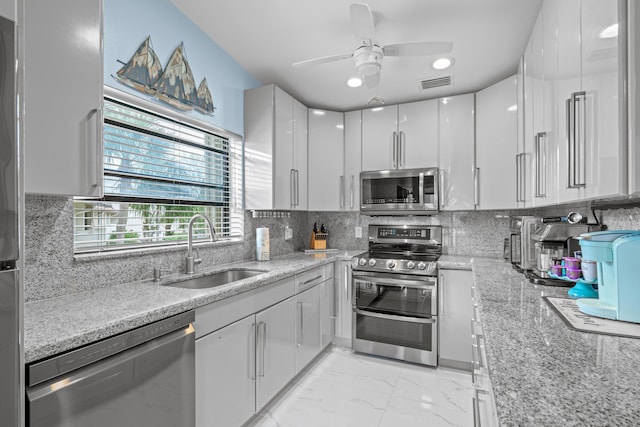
point(308, 326)
point(454, 318)
point(275, 350)
point(328, 312)
point(225, 375)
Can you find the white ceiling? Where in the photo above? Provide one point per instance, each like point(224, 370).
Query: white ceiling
point(266, 36)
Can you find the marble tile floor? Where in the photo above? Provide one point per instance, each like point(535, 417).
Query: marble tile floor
point(347, 389)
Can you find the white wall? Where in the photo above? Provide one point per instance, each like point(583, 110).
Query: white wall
point(8, 9)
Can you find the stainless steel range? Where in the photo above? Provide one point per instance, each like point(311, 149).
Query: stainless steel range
point(395, 293)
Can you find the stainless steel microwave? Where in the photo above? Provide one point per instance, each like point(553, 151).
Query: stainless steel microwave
point(399, 192)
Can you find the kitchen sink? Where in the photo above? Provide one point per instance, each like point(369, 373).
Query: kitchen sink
point(216, 279)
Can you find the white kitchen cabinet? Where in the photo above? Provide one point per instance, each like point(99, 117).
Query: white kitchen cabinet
point(352, 160)
point(496, 144)
point(455, 307)
point(580, 103)
point(457, 152)
point(275, 126)
point(275, 350)
point(522, 176)
point(343, 306)
point(226, 375)
point(326, 161)
point(328, 311)
point(63, 74)
point(308, 326)
point(401, 136)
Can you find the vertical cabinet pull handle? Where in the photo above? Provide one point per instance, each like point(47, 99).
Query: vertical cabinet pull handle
point(262, 333)
point(394, 148)
point(536, 151)
point(292, 196)
point(476, 183)
point(401, 146)
point(442, 189)
point(517, 178)
point(252, 351)
point(341, 191)
point(98, 161)
point(441, 284)
point(577, 145)
point(297, 187)
point(300, 324)
point(351, 191)
point(569, 118)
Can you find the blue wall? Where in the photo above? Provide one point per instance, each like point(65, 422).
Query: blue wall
point(127, 23)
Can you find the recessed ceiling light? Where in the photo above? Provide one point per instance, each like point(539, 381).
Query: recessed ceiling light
point(442, 63)
point(610, 32)
point(354, 81)
point(318, 112)
point(377, 109)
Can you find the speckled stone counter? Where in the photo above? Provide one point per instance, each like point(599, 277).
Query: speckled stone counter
point(59, 324)
point(544, 373)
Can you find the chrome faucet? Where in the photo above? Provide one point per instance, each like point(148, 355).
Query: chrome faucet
point(190, 261)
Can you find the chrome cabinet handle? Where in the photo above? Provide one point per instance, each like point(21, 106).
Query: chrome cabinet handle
point(300, 323)
point(401, 153)
point(351, 191)
point(568, 111)
point(394, 148)
point(341, 191)
point(441, 299)
point(574, 143)
point(518, 172)
point(422, 320)
point(580, 99)
point(476, 410)
point(297, 182)
point(306, 282)
point(292, 197)
point(252, 351)
point(442, 189)
point(98, 162)
point(346, 283)
point(262, 333)
point(476, 192)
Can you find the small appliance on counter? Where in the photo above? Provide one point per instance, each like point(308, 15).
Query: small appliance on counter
point(553, 241)
point(616, 253)
point(262, 244)
point(522, 254)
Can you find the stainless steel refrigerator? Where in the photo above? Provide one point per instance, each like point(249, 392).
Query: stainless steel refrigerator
point(11, 390)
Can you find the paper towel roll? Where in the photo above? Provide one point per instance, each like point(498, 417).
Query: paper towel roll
point(262, 244)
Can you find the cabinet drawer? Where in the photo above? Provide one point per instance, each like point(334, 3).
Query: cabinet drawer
point(224, 312)
point(309, 279)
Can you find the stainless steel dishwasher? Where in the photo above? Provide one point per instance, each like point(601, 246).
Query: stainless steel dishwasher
point(143, 377)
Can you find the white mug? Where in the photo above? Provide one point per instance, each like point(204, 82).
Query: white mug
point(589, 270)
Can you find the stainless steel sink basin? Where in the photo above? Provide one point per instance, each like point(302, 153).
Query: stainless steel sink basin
point(216, 279)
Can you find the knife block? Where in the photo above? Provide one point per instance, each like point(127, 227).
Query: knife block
point(318, 240)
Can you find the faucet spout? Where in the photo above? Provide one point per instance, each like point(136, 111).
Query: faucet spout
point(190, 260)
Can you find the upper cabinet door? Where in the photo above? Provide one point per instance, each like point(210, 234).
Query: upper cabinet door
point(283, 169)
point(457, 159)
point(605, 165)
point(418, 134)
point(380, 138)
point(352, 159)
point(300, 149)
point(496, 143)
point(326, 148)
point(63, 97)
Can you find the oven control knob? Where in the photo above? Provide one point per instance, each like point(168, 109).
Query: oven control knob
point(391, 264)
point(422, 266)
point(372, 262)
point(363, 261)
point(410, 265)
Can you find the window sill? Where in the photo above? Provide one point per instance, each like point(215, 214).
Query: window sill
point(127, 253)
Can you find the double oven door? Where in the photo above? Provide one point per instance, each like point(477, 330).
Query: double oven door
point(395, 315)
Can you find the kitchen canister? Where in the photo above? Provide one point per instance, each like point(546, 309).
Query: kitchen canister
point(262, 244)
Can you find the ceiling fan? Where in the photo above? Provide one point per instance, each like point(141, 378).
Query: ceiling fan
point(368, 56)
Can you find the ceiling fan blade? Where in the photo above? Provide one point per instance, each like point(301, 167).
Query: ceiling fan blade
point(322, 60)
point(417, 48)
point(362, 22)
point(371, 80)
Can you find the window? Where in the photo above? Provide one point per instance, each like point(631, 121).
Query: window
point(158, 172)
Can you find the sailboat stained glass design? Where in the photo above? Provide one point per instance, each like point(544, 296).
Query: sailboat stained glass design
point(175, 85)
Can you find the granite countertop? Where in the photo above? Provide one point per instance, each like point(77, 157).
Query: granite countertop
point(543, 373)
point(56, 325)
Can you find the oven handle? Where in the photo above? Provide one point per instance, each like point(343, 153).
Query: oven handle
point(420, 284)
point(394, 317)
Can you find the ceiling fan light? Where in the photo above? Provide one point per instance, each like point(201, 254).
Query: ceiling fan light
point(354, 81)
point(442, 63)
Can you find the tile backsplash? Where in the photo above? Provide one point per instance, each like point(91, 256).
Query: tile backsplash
point(52, 270)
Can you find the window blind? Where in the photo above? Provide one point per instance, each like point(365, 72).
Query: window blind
point(158, 172)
